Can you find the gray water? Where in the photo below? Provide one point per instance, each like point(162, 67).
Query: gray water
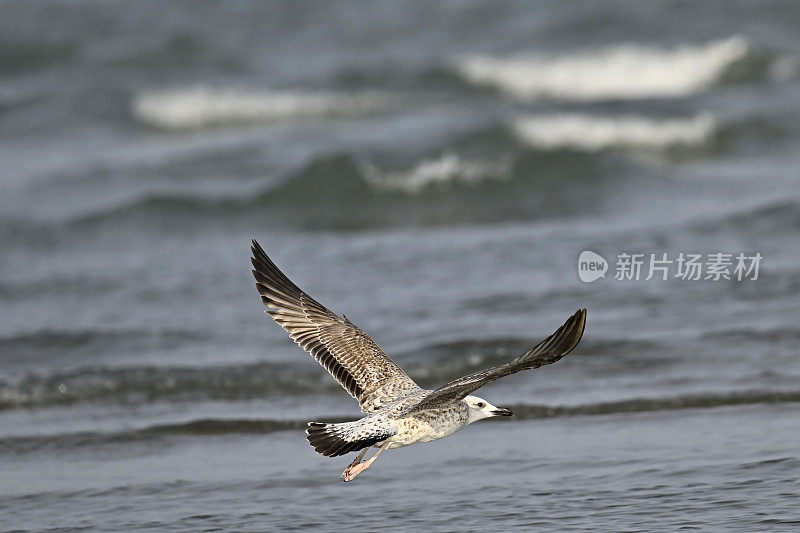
point(433, 170)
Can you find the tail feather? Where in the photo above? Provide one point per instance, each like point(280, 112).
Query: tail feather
point(332, 440)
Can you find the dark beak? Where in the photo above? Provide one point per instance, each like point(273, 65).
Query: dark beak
point(502, 411)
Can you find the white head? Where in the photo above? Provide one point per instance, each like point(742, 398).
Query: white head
point(480, 409)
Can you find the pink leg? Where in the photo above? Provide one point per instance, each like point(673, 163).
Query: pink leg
point(356, 468)
point(355, 463)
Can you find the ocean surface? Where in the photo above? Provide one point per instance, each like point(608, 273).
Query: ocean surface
point(433, 170)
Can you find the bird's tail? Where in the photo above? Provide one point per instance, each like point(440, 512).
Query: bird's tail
point(332, 440)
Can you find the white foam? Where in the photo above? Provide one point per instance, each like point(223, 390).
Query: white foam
point(593, 133)
point(199, 107)
point(620, 72)
point(440, 173)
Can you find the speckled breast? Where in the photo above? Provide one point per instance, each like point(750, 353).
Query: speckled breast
point(430, 425)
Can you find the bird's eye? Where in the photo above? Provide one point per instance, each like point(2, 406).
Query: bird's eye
point(481, 405)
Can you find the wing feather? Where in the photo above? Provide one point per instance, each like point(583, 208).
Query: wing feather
point(349, 354)
point(550, 350)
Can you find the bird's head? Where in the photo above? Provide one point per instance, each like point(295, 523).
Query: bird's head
point(480, 409)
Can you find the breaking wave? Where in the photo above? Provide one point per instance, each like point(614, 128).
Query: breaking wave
point(62, 344)
point(206, 426)
point(641, 405)
point(142, 384)
point(225, 426)
point(344, 192)
point(593, 133)
point(619, 72)
point(149, 384)
point(313, 196)
point(202, 107)
point(440, 173)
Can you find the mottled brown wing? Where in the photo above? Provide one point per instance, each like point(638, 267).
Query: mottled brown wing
point(546, 352)
point(349, 354)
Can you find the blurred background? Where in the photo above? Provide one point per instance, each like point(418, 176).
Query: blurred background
point(433, 170)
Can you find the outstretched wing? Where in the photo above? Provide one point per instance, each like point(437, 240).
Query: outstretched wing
point(546, 352)
point(349, 354)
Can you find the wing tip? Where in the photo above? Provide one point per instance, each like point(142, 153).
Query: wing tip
point(574, 326)
point(561, 342)
point(581, 319)
point(258, 253)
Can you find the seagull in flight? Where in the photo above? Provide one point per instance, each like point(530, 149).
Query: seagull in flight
point(399, 412)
